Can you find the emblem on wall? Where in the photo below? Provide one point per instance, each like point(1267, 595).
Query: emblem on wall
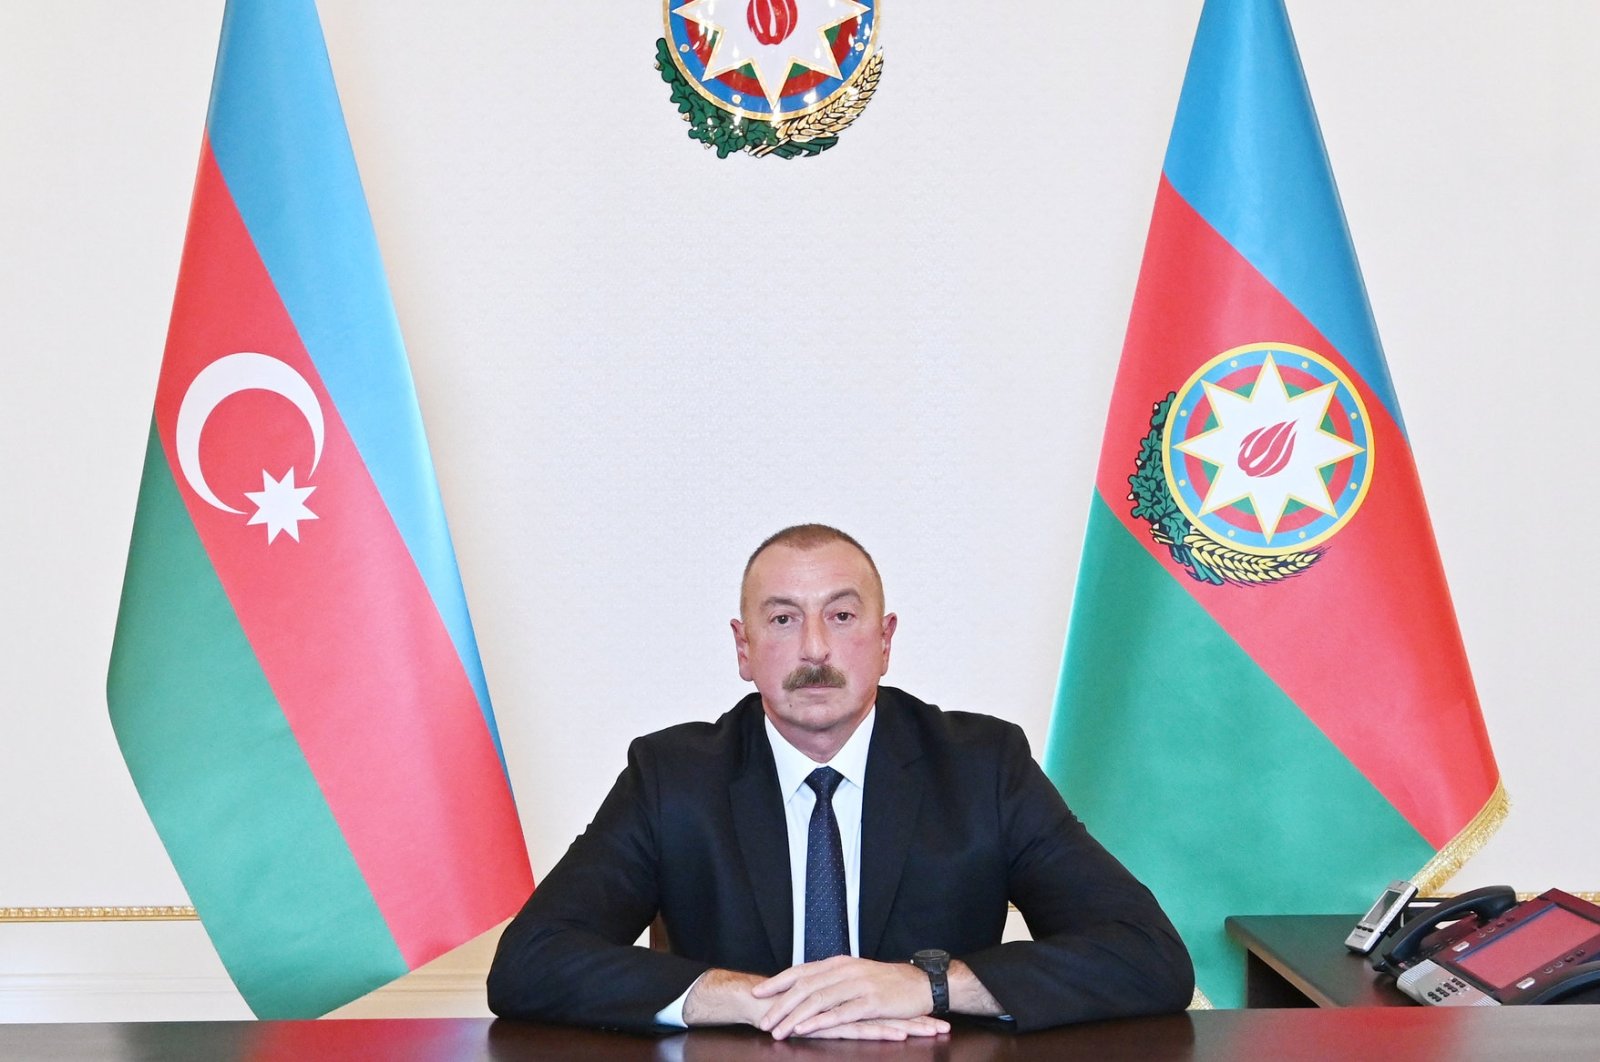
point(770, 77)
point(1254, 465)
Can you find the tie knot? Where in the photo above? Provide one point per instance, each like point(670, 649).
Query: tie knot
point(823, 781)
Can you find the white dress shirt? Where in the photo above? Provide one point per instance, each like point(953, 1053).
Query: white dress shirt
point(798, 801)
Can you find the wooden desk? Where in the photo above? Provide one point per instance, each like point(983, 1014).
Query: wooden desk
point(1393, 1034)
point(1301, 961)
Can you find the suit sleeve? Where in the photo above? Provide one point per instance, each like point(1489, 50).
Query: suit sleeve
point(1102, 947)
point(569, 954)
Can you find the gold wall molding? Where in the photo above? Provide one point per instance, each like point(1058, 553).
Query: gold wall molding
point(187, 914)
point(1592, 897)
point(97, 914)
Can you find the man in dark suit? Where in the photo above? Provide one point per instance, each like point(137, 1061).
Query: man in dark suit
point(797, 897)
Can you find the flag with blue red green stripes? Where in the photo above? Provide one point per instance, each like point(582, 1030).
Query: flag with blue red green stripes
point(294, 682)
point(1265, 705)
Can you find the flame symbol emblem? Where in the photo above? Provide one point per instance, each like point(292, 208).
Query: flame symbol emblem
point(771, 20)
point(1266, 451)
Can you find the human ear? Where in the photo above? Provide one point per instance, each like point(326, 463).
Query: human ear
point(741, 649)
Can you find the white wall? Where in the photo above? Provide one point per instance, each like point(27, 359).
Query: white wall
point(619, 408)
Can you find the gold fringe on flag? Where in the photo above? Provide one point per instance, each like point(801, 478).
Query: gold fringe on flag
point(1464, 845)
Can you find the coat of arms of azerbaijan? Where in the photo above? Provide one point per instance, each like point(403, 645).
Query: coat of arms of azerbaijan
point(770, 77)
point(1254, 464)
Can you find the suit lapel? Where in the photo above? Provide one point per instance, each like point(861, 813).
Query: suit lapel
point(764, 837)
point(888, 816)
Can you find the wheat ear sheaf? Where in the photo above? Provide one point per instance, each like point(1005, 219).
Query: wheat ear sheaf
point(1240, 567)
point(836, 116)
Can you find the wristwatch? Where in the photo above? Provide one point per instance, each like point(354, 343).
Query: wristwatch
point(935, 962)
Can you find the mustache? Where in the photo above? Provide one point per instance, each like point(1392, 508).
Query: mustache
point(814, 675)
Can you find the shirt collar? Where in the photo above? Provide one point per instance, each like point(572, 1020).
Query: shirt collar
point(794, 765)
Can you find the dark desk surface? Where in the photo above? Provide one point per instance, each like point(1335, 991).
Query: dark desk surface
point(1394, 1034)
point(1299, 960)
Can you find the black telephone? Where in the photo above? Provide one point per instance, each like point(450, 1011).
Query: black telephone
point(1484, 949)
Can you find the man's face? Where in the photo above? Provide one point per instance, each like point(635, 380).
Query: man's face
point(814, 639)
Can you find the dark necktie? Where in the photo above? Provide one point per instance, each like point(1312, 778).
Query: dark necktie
point(827, 920)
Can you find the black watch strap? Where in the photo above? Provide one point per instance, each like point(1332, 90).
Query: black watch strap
point(935, 962)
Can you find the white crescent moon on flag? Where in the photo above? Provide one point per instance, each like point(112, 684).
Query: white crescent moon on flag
point(228, 376)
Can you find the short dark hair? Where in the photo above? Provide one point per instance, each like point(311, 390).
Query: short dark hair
point(808, 536)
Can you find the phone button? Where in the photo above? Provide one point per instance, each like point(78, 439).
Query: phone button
point(1526, 982)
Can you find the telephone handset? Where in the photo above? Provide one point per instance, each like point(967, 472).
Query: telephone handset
point(1483, 948)
point(1478, 906)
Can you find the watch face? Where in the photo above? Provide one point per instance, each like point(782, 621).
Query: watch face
point(937, 958)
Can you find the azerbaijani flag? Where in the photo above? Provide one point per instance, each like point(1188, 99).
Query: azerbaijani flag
point(294, 682)
point(1265, 706)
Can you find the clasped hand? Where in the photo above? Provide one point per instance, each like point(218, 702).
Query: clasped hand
point(849, 998)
